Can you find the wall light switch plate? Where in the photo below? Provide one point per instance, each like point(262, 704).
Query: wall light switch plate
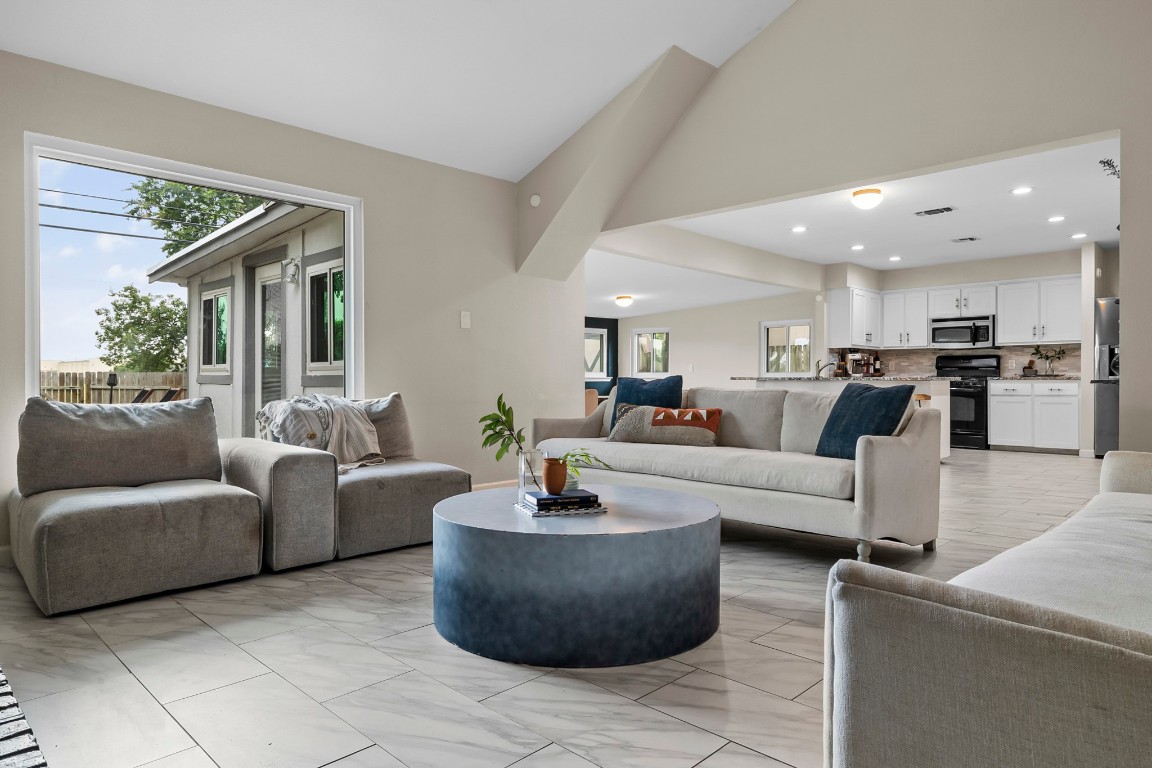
point(465, 319)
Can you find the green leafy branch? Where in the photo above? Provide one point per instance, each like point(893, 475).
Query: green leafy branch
point(500, 430)
point(584, 457)
point(1056, 353)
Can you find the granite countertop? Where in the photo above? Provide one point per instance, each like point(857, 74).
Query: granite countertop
point(1057, 377)
point(845, 378)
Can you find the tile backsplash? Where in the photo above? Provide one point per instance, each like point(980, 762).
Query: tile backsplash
point(922, 362)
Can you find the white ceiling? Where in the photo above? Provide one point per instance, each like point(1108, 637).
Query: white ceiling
point(659, 287)
point(1067, 182)
point(491, 87)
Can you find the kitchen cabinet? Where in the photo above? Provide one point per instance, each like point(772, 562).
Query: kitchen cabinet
point(854, 317)
point(1009, 414)
point(1034, 414)
point(905, 319)
point(973, 301)
point(1038, 311)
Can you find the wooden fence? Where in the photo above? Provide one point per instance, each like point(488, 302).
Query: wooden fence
point(92, 386)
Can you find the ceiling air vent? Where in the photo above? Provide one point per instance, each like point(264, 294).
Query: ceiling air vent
point(965, 239)
point(936, 211)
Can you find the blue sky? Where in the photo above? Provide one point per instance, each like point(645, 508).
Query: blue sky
point(78, 269)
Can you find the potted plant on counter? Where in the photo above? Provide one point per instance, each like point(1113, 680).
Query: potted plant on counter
point(1049, 356)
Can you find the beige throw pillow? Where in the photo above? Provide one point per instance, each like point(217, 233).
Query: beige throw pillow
point(667, 426)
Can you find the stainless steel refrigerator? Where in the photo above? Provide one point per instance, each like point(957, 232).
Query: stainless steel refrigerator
point(1107, 381)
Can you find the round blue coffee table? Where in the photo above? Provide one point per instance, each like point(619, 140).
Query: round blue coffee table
point(639, 583)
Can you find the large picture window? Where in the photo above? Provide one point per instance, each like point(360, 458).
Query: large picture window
point(650, 352)
point(785, 347)
point(595, 353)
point(326, 316)
point(214, 331)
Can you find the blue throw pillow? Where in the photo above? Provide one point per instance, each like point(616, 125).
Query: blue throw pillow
point(667, 392)
point(862, 409)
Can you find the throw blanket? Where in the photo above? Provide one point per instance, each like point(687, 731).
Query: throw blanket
point(327, 423)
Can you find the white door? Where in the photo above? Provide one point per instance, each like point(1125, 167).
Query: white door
point(1010, 420)
point(873, 318)
point(859, 318)
point(1056, 421)
point(978, 301)
point(1018, 313)
point(269, 341)
point(1060, 310)
point(944, 302)
point(893, 320)
point(915, 319)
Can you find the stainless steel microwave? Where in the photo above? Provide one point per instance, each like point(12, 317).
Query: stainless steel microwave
point(963, 332)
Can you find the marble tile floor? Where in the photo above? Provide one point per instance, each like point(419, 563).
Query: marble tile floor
point(339, 664)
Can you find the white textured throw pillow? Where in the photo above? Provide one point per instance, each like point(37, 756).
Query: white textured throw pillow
point(667, 426)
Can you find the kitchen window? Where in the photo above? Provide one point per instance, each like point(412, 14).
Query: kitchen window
point(785, 347)
point(214, 330)
point(650, 352)
point(595, 353)
point(325, 316)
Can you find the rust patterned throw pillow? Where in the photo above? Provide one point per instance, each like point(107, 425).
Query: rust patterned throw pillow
point(669, 426)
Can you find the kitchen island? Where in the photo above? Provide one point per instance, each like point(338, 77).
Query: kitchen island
point(936, 386)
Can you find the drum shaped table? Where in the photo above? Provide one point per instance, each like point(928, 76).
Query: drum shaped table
point(636, 584)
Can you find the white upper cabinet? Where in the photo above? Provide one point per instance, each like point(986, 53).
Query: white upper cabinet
point(1039, 311)
point(1018, 313)
point(1060, 310)
point(975, 301)
point(905, 319)
point(854, 318)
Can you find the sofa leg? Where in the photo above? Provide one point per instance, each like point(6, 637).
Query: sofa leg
point(930, 546)
point(863, 550)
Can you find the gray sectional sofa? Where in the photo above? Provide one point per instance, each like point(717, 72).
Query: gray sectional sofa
point(764, 471)
point(1040, 657)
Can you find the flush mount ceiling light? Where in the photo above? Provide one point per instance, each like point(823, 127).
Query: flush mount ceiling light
point(623, 301)
point(857, 247)
point(1021, 190)
point(893, 258)
point(1079, 236)
point(866, 199)
point(799, 228)
point(1055, 219)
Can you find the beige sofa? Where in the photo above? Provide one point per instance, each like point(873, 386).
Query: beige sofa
point(1039, 658)
point(764, 469)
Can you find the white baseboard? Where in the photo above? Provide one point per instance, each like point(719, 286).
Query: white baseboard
point(6, 560)
point(500, 484)
point(1087, 454)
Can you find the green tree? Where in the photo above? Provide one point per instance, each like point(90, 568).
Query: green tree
point(186, 213)
point(143, 332)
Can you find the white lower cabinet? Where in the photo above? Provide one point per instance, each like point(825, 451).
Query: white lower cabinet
point(1034, 415)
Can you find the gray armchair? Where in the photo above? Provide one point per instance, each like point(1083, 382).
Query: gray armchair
point(119, 501)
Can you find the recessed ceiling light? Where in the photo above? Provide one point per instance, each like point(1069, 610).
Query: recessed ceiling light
point(857, 247)
point(893, 258)
point(799, 228)
point(1079, 236)
point(623, 301)
point(1055, 219)
point(1021, 190)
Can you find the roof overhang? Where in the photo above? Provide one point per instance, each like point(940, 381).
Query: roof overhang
point(245, 233)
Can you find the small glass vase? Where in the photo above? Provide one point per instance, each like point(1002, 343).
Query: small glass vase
point(1048, 369)
point(531, 474)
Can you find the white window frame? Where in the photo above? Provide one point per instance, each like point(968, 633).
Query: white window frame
point(636, 334)
point(331, 366)
point(216, 368)
point(764, 326)
point(38, 145)
point(602, 374)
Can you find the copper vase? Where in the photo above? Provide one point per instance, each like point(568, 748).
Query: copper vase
point(555, 476)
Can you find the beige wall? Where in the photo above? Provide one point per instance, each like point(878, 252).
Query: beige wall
point(722, 341)
point(437, 241)
point(835, 94)
point(986, 270)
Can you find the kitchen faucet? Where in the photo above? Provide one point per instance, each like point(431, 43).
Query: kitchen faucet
point(821, 365)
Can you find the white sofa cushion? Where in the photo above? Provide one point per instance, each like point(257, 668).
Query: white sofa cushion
point(752, 468)
point(803, 420)
point(752, 417)
point(1097, 565)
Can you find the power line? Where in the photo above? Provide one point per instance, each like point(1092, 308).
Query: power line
point(134, 202)
point(129, 216)
point(118, 234)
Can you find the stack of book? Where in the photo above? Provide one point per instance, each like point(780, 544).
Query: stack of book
point(574, 502)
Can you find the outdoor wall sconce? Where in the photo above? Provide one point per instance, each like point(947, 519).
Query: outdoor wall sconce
point(291, 269)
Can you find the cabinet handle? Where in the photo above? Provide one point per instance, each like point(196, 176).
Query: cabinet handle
point(1009, 389)
point(1033, 331)
point(901, 338)
point(965, 302)
point(1043, 331)
point(957, 303)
